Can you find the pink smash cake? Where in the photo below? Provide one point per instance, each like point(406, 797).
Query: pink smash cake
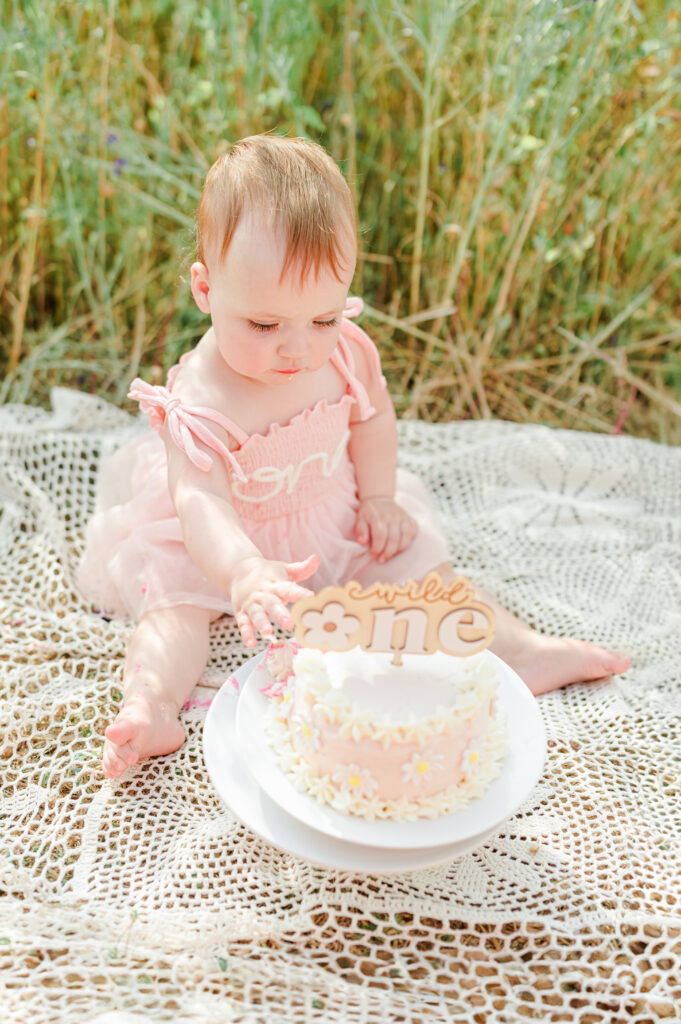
point(373, 739)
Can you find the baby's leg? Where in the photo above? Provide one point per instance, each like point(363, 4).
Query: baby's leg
point(544, 662)
point(166, 655)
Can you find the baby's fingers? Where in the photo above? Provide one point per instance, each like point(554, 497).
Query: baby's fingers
point(408, 530)
point(362, 530)
point(301, 570)
point(255, 617)
point(396, 536)
point(275, 605)
point(392, 542)
point(261, 621)
point(379, 538)
point(289, 593)
point(245, 628)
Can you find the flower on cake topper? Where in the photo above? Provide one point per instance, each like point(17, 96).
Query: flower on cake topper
point(355, 781)
point(306, 734)
point(330, 628)
point(469, 760)
point(421, 766)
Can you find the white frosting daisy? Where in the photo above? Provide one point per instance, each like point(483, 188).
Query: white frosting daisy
point(469, 761)
point(421, 766)
point(355, 781)
point(306, 734)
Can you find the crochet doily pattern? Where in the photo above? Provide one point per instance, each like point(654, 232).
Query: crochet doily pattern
point(148, 897)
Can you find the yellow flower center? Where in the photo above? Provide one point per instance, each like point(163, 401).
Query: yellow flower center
point(306, 730)
point(355, 781)
point(473, 757)
point(422, 767)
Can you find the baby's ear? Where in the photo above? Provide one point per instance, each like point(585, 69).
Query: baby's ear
point(201, 286)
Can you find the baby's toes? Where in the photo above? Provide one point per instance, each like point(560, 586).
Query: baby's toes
point(113, 765)
point(128, 754)
point(612, 663)
point(123, 730)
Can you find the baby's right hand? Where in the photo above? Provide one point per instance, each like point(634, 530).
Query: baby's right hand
point(260, 591)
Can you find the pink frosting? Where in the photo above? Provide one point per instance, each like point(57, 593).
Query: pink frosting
point(443, 754)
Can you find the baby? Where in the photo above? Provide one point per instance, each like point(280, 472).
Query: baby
point(274, 456)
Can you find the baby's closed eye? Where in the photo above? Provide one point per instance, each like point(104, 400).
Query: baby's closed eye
point(256, 325)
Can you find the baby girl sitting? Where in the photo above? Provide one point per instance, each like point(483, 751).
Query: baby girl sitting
point(274, 457)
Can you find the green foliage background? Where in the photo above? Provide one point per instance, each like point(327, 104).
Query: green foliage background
point(515, 167)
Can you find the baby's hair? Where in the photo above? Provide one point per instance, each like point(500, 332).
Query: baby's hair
point(291, 184)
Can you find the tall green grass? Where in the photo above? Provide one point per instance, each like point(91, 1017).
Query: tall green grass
point(515, 167)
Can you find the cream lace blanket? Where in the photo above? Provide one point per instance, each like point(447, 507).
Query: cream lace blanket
point(147, 896)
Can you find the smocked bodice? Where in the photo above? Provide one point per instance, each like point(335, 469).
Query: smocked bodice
point(291, 466)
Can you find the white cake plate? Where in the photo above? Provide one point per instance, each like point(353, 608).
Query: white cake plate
point(521, 769)
point(229, 773)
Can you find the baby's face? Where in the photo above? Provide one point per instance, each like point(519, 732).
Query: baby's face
point(269, 330)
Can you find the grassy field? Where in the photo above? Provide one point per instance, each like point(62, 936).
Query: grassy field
point(515, 167)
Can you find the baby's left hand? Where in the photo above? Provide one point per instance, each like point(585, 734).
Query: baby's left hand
point(385, 527)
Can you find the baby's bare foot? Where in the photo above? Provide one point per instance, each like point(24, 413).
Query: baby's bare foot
point(145, 727)
point(546, 663)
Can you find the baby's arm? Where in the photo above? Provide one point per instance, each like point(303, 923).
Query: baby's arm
point(259, 589)
point(381, 522)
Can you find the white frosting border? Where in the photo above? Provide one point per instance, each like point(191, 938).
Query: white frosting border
point(477, 685)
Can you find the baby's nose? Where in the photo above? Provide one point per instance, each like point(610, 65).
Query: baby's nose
point(292, 346)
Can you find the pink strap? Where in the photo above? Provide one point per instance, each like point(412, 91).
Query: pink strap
point(343, 359)
point(184, 423)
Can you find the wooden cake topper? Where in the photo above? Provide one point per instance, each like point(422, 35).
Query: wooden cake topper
point(416, 618)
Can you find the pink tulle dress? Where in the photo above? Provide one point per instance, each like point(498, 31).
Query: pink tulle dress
point(293, 488)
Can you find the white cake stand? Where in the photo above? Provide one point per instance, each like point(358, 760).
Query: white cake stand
point(236, 772)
